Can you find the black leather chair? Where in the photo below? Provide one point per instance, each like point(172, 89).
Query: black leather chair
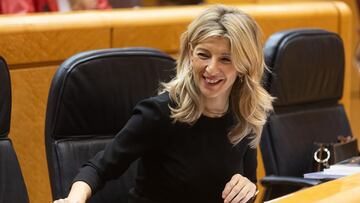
point(12, 186)
point(306, 75)
point(91, 97)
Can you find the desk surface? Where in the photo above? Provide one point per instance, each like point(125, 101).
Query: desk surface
point(345, 189)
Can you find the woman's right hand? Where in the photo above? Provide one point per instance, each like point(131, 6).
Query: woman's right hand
point(79, 193)
point(66, 200)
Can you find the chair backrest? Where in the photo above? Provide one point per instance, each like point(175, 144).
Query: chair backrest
point(91, 98)
point(12, 186)
point(307, 73)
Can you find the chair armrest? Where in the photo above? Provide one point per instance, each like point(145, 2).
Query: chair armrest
point(286, 180)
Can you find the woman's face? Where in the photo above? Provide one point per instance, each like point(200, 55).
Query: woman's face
point(214, 71)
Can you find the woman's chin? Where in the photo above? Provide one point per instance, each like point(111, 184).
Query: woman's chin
point(209, 92)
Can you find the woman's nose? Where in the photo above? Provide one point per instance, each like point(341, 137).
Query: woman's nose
point(212, 67)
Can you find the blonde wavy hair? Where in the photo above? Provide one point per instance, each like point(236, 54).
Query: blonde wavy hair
point(249, 101)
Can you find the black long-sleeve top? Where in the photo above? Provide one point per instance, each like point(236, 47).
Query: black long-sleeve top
point(179, 162)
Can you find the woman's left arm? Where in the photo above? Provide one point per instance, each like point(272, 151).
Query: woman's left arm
point(240, 189)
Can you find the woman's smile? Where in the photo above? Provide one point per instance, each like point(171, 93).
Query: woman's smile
point(212, 83)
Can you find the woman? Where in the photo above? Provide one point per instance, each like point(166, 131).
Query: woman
point(197, 138)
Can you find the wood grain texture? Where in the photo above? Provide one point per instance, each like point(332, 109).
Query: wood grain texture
point(345, 189)
point(29, 97)
point(53, 45)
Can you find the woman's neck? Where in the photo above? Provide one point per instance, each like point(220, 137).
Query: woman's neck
point(215, 107)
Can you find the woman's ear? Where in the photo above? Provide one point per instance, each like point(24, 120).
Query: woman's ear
point(190, 47)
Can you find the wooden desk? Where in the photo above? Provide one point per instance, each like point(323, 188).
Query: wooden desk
point(345, 189)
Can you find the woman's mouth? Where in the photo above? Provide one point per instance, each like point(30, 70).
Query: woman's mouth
point(212, 81)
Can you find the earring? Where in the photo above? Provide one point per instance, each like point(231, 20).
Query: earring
point(241, 78)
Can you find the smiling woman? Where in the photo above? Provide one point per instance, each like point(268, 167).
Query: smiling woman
point(197, 138)
point(237, 38)
point(214, 73)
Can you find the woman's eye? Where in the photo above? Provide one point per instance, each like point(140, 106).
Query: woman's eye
point(202, 55)
point(226, 60)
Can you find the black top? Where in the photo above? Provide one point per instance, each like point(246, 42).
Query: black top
point(178, 162)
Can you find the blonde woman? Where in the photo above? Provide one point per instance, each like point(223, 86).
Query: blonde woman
point(197, 138)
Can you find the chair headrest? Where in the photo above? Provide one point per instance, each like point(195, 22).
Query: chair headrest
point(5, 99)
point(306, 65)
point(93, 93)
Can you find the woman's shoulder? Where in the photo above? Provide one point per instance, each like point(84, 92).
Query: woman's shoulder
point(156, 105)
point(162, 100)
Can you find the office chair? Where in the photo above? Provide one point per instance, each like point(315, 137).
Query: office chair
point(91, 97)
point(306, 76)
point(12, 185)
